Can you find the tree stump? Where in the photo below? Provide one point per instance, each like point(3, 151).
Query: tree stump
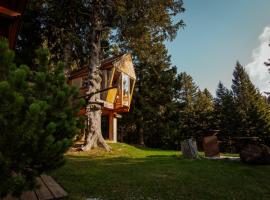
point(189, 148)
point(255, 154)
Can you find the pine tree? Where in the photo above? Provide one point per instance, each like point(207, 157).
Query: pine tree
point(152, 99)
point(225, 113)
point(127, 23)
point(252, 112)
point(186, 91)
point(204, 109)
point(37, 120)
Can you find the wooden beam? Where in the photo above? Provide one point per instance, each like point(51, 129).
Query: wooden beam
point(7, 13)
point(29, 195)
point(111, 126)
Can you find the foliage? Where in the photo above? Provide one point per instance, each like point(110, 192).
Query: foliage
point(37, 119)
point(252, 111)
point(152, 101)
point(225, 112)
point(243, 111)
point(186, 91)
point(91, 30)
point(195, 109)
point(65, 26)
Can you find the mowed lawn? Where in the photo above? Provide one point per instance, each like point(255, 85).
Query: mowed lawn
point(137, 173)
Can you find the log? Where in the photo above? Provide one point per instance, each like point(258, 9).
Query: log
point(189, 149)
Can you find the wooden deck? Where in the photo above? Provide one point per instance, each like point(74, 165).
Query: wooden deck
point(48, 190)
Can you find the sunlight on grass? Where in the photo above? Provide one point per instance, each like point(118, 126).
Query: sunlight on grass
point(130, 172)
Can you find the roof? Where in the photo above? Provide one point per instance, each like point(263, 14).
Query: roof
point(7, 13)
point(122, 62)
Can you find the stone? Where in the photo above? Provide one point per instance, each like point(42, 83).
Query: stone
point(255, 154)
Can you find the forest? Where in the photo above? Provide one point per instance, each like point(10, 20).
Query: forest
point(162, 93)
point(39, 109)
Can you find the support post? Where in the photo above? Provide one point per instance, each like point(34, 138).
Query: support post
point(112, 127)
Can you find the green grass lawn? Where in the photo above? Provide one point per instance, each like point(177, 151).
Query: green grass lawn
point(137, 173)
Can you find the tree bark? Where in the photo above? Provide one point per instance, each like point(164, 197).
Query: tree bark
point(93, 136)
point(189, 149)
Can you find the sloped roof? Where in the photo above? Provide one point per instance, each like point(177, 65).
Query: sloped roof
point(122, 62)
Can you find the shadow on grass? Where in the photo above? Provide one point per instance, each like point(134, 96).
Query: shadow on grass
point(144, 148)
point(162, 177)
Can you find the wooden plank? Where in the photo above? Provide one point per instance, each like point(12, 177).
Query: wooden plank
point(54, 187)
point(9, 197)
point(8, 13)
point(29, 195)
point(43, 192)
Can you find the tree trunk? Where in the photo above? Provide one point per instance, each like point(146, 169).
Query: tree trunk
point(189, 149)
point(93, 137)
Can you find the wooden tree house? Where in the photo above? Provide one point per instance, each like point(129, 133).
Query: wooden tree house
point(118, 81)
point(10, 19)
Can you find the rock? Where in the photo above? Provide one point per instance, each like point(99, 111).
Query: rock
point(255, 154)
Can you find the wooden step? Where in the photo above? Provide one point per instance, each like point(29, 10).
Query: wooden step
point(48, 189)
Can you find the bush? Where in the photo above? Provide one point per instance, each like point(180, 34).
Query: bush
point(37, 119)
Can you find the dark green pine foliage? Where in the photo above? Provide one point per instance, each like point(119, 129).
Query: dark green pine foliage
point(186, 93)
point(37, 120)
point(225, 111)
point(82, 30)
point(58, 26)
point(204, 114)
point(150, 120)
point(195, 109)
point(252, 112)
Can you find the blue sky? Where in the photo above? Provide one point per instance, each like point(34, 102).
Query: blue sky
point(217, 34)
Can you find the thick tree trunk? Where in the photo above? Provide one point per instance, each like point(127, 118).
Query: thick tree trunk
point(189, 149)
point(93, 136)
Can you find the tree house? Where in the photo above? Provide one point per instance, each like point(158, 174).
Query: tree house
point(10, 19)
point(118, 81)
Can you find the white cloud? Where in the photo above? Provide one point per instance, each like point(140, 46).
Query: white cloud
point(257, 71)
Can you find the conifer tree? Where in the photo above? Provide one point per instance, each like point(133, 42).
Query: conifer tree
point(127, 22)
point(204, 109)
point(37, 119)
point(186, 91)
point(225, 112)
point(252, 112)
point(152, 99)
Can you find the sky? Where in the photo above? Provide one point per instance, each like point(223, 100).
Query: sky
point(218, 33)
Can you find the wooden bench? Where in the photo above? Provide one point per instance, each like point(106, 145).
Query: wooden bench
point(49, 189)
